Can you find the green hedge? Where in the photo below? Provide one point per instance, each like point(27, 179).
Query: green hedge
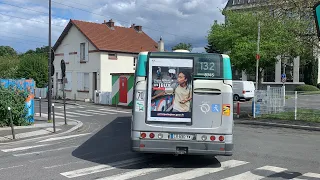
point(307, 88)
point(15, 99)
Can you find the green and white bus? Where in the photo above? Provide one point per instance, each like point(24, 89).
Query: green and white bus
point(183, 104)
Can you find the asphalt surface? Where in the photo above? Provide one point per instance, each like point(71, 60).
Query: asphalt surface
point(101, 149)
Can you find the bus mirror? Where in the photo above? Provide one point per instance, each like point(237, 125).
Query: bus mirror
point(316, 10)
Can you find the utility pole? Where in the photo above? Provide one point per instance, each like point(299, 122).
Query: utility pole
point(49, 66)
point(258, 56)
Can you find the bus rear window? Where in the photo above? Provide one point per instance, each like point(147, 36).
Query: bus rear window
point(209, 66)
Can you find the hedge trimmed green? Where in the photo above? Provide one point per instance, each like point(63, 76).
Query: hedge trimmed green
point(15, 99)
point(307, 88)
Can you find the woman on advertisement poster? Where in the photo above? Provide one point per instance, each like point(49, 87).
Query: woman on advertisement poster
point(182, 92)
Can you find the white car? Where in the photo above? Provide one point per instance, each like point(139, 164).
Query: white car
point(243, 90)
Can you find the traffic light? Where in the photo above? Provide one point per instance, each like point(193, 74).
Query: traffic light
point(63, 68)
point(316, 10)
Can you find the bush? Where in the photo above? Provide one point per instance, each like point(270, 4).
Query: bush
point(14, 98)
point(306, 88)
point(318, 85)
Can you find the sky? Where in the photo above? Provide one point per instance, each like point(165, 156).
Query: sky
point(25, 25)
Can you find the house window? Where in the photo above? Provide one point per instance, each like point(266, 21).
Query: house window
point(68, 84)
point(82, 51)
point(112, 56)
point(83, 81)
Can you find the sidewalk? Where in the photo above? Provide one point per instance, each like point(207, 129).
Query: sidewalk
point(294, 124)
point(40, 128)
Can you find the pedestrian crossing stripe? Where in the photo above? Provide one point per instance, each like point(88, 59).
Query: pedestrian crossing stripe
point(190, 174)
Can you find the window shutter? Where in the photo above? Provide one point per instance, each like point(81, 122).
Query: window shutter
point(80, 81)
point(79, 53)
point(86, 51)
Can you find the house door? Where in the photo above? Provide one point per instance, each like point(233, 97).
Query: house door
point(123, 88)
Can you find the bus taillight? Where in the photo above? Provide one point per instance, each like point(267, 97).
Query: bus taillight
point(151, 135)
point(143, 135)
point(212, 138)
point(221, 138)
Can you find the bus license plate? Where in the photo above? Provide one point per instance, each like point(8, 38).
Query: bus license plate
point(181, 136)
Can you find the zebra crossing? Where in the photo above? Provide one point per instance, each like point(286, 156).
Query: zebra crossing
point(208, 171)
point(85, 111)
point(154, 167)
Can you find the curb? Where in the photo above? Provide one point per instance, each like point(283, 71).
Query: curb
point(293, 126)
point(76, 127)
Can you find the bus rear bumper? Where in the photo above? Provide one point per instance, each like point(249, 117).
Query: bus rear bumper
point(182, 147)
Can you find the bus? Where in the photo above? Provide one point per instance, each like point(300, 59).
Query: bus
point(182, 104)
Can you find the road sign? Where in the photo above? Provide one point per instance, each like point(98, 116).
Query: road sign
point(284, 80)
point(283, 76)
point(258, 56)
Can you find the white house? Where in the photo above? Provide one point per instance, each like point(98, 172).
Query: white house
point(92, 51)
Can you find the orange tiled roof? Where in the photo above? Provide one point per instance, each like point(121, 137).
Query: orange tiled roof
point(118, 39)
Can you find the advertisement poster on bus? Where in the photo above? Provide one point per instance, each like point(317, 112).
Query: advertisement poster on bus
point(170, 90)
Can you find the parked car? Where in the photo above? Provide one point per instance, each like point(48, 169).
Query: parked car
point(243, 90)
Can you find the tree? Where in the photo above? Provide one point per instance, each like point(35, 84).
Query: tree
point(238, 38)
point(8, 66)
point(7, 51)
point(34, 66)
point(183, 46)
point(211, 49)
point(41, 50)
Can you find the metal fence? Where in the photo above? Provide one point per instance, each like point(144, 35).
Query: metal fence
point(102, 97)
point(276, 103)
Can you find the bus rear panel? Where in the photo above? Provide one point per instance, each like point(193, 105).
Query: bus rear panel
point(166, 124)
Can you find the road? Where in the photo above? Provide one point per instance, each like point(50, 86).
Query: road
point(101, 149)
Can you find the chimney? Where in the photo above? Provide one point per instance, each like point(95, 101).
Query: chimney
point(138, 28)
point(161, 45)
point(110, 24)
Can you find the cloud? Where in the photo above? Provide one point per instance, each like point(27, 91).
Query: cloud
point(176, 21)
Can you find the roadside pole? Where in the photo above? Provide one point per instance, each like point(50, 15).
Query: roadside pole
point(11, 123)
point(50, 66)
point(63, 75)
point(258, 56)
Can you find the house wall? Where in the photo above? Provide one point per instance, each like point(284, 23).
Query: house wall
point(95, 61)
point(123, 64)
point(69, 50)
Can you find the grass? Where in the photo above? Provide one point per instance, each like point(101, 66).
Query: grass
point(308, 115)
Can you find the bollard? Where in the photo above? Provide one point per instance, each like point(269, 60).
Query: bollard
point(40, 105)
point(11, 123)
point(238, 109)
point(54, 121)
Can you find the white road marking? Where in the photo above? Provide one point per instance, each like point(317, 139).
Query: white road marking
point(251, 176)
point(204, 171)
point(101, 168)
point(64, 137)
point(24, 148)
point(102, 112)
point(11, 167)
point(132, 174)
point(38, 152)
point(68, 115)
point(115, 110)
point(79, 114)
